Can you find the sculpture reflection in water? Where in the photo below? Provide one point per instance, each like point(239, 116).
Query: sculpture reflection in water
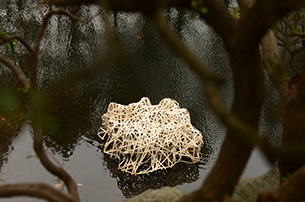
point(132, 185)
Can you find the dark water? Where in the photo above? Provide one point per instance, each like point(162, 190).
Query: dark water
point(80, 74)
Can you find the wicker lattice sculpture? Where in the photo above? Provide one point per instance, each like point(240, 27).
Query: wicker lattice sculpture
point(147, 137)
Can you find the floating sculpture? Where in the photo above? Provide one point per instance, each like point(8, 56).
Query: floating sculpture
point(147, 137)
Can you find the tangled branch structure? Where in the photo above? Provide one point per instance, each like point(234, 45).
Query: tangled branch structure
point(146, 137)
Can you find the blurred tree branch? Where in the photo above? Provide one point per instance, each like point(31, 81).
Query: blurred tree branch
point(32, 189)
point(19, 74)
point(38, 190)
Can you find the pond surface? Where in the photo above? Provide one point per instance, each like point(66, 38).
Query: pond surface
point(97, 180)
point(80, 74)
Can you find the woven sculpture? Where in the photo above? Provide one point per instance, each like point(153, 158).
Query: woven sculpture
point(147, 137)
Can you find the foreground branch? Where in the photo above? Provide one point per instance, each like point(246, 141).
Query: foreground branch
point(15, 37)
point(242, 130)
point(19, 74)
point(219, 185)
point(247, 133)
point(38, 190)
point(55, 170)
point(37, 107)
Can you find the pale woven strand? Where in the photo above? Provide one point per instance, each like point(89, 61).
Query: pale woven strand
point(156, 135)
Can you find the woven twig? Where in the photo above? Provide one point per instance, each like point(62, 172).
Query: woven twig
point(147, 137)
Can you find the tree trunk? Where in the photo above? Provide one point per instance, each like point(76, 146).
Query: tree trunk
point(234, 154)
point(294, 126)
